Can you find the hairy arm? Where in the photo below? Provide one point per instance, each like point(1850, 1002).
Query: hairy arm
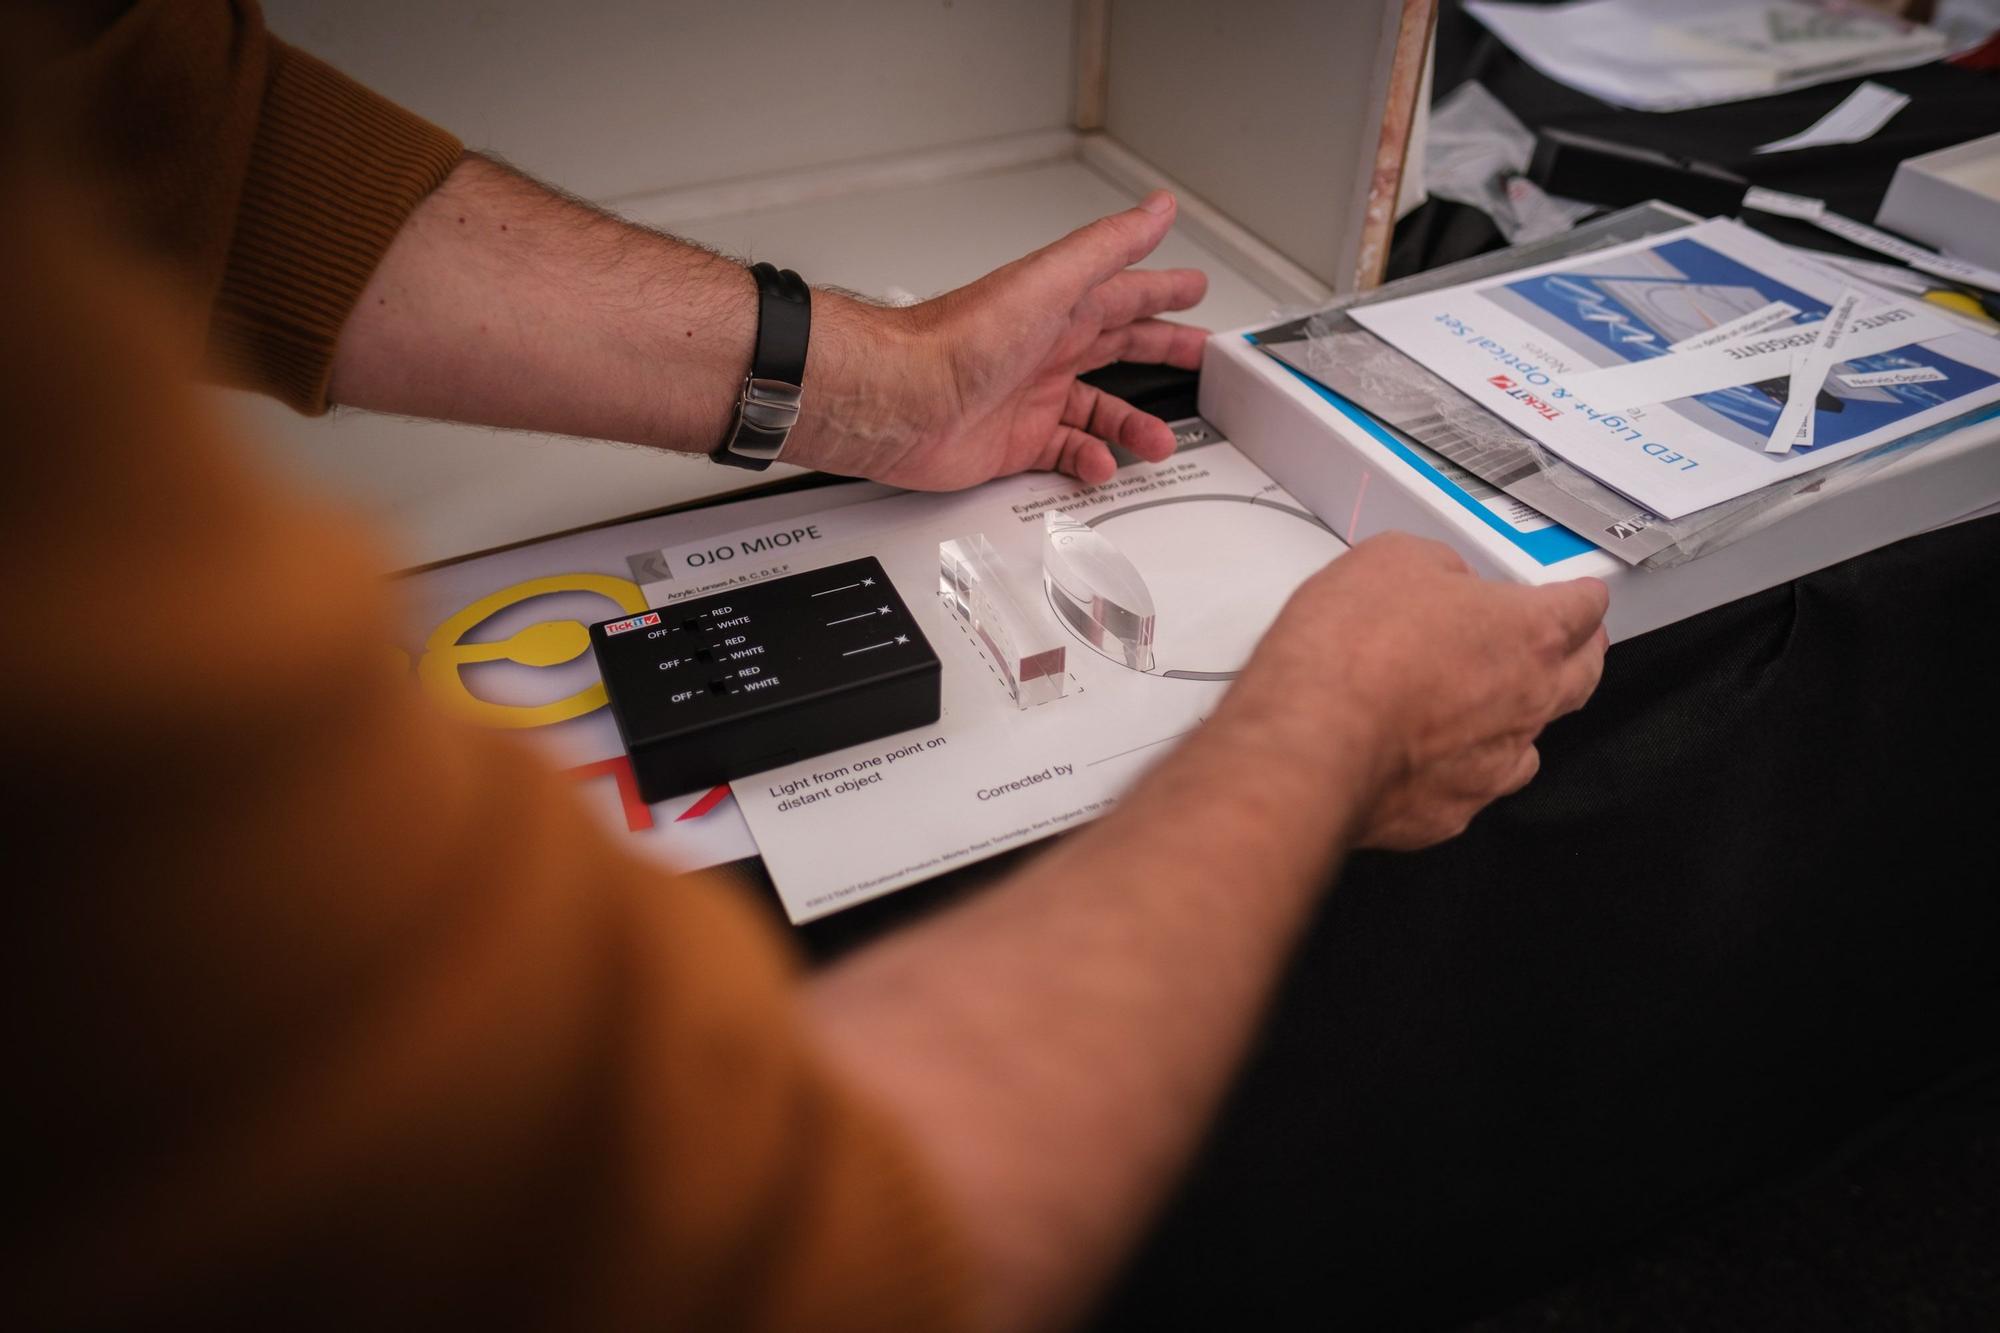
point(1058, 1044)
point(504, 303)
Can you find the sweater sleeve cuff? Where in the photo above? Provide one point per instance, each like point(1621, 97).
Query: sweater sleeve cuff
point(335, 171)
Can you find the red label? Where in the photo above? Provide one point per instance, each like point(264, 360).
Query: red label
point(636, 622)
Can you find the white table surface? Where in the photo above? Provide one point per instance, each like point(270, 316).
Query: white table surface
point(439, 491)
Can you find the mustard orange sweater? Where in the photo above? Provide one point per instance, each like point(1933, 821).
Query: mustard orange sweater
point(322, 1010)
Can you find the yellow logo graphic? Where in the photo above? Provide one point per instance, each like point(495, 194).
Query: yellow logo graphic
point(546, 643)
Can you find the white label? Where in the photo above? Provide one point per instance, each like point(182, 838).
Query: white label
point(1883, 379)
point(1758, 356)
point(1765, 317)
point(1861, 113)
point(1784, 205)
point(1814, 211)
point(1809, 370)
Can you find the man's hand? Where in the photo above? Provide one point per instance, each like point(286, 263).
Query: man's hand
point(1450, 677)
point(982, 381)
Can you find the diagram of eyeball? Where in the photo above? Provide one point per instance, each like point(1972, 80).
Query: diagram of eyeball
point(1181, 587)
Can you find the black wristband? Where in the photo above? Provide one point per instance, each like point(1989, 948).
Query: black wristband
point(768, 406)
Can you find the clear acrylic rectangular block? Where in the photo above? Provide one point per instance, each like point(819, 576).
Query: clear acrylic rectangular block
point(1024, 644)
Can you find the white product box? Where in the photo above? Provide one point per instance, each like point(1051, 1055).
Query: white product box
point(1950, 198)
point(1361, 481)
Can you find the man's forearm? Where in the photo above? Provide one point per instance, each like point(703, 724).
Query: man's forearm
point(1058, 1043)
point(502, 303)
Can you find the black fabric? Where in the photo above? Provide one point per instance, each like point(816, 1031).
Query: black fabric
point(1439, 232)
point(1900, 1230)
point(1947, 105)
point(1749, 906)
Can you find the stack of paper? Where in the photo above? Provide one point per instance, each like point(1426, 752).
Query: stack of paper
point(1655, 57)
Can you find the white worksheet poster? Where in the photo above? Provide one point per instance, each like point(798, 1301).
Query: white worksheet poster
point(1220, 548)
point(1602, 357)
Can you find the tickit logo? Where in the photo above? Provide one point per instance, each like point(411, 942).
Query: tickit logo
point(633, 622)
point(1538, 406)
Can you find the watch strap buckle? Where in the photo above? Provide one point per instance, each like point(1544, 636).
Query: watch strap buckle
point(766, 411)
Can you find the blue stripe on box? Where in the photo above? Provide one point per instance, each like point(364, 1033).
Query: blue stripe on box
point(1549, 546)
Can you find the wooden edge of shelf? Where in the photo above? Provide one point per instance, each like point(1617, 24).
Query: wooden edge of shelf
point(1093, 60)
point(1399, 117)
